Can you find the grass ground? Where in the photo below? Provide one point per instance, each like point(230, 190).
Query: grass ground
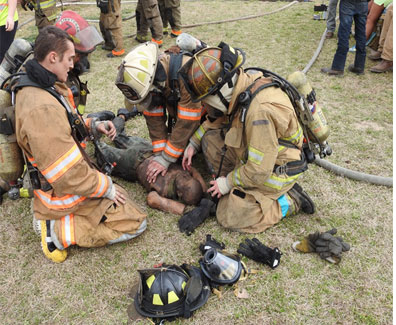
point(92, 286)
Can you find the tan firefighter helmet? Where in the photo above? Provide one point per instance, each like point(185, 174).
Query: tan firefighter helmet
point(202, 74)
point(137, 72)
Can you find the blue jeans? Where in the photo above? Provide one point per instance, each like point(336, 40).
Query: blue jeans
point(351, 10)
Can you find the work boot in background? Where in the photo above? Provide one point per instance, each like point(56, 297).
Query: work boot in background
point(302, 199)
point(383, 66)
point(374, 55)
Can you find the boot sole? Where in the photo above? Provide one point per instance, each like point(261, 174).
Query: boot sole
point(308, 210)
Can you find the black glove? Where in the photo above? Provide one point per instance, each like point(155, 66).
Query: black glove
point(258, 252)
point(210, 243)
point(191, 220)
point(228, 58)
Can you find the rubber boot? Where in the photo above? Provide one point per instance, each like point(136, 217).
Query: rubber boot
point(302, 199)
point(49, 249)
point(108, 38)
point(155, 201)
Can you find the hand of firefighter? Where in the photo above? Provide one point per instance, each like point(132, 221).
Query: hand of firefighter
point(189, 152)
point(107, 128)
point(191, 220)
point(9, 25)
point(154, 168)
point(219, 187)
point(325, 244)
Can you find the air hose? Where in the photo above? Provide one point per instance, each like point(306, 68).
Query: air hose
point(373, 179)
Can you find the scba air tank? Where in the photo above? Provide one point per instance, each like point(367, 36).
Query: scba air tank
point(11, 160)
point(318, 126)
point(14, 58)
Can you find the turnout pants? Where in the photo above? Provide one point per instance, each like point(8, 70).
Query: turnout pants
point(111, 26)
point(247, 210)
point(150, 17)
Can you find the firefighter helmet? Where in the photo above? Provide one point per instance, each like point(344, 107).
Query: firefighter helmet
point(204, 73)
point(137, 72)
point(171, 291)
point(85, 36)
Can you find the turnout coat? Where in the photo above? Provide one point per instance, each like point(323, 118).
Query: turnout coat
point(78, 197)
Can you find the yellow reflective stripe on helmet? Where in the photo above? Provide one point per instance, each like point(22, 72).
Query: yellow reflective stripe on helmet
point(236, 178)
point(255, 155)
point(280, 182)
point(150, 281)
point(183, 284)
point(157, 299)
point(172, 297)
point(296, 137)
point(200, 132)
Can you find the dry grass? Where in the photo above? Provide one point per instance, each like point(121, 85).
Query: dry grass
point(92, 285)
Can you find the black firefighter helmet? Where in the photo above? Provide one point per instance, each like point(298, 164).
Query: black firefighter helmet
point(171, 291)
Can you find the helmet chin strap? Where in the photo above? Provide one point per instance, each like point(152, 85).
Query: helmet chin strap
point(221, 99)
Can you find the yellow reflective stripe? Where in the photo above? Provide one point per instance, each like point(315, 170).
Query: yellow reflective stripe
point(63, 164)
point(200, 132)
point(45, 4)
point(236, 178)
point(255, 155)
point(150, 281)
point(172, 297)
point(278, 183)
point(157, 300)
point(296, 137)
point(280, 148)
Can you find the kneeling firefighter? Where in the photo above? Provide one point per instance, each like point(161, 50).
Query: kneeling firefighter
point(254, 148)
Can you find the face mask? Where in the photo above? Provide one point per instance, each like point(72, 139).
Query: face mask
point(214, 100)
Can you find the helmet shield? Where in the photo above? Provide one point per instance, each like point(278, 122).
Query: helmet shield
point(87, 39)
point(202, 74)
point(221, 267)
point(137, 71)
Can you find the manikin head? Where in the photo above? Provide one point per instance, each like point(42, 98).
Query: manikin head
point(188, 189)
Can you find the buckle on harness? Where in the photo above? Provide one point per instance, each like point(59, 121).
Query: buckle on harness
point(280, 170)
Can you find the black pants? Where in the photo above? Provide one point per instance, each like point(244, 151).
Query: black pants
point(6, 38)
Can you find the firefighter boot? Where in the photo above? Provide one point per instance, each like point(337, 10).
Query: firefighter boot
point(47, 245)
point(301, 199)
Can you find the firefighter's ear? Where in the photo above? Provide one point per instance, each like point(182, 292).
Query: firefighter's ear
point(52, 56)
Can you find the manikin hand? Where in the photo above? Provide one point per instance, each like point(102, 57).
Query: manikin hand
point(107, 128)
point(154, 168)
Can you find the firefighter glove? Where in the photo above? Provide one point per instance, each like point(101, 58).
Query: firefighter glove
point(191, 220)
point(210, 243)
point(328, 246)
point(258, 252)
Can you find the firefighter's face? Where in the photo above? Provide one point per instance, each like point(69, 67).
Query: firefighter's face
point(64, 64)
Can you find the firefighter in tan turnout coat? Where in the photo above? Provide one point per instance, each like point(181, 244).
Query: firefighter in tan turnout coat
point(76, 203)
point(262, 136)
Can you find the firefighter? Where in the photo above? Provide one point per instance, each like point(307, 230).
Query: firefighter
point(110, 24)
point(170, 13)
point(148, 17)
point(45, 12)
point(258, 138)
point(150, 80)
point(74, 203)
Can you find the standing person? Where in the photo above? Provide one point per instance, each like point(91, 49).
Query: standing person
point(254, 184)
point(151, 80)
point(74, 203)
point(148, 17)
point(45, 12)
point(171, 13)
point(110, 24)
point(350, 10)
point(385, 48)
point(8, 25)
point(331, 18)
